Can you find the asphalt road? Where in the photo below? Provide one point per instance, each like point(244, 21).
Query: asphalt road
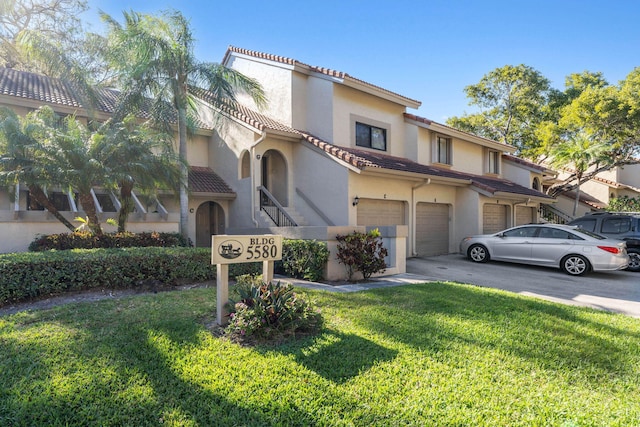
point(617, 291)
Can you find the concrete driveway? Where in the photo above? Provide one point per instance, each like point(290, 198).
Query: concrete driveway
point(617, 291)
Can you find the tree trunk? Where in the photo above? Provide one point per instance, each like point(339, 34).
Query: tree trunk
point(43, 200)
point(126, 206)
point(184, 181)
point(86, 200)
point(575, 204)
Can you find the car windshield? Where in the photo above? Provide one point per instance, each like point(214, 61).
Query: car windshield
point(589, 233)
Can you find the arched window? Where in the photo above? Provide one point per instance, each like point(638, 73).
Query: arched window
point(536, 184)
point(245, 165)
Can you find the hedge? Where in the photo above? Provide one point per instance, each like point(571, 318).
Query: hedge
point(87, 240)
point(40, 274)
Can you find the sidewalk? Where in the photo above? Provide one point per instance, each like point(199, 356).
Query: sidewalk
point(374, 283)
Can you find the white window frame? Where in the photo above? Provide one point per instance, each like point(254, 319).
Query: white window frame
point(493, 165)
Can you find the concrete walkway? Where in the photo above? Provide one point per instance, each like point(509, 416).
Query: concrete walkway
point(374, 283)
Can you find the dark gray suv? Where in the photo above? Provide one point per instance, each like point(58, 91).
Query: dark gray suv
point(616, 225)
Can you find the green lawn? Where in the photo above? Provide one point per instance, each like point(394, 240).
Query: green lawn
point(434, 354)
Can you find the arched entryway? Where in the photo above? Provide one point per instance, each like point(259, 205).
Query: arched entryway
point(209, 221)
point(274, 176)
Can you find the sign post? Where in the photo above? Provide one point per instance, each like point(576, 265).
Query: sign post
point(226, 249)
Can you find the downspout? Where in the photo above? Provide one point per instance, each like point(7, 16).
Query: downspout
point(413, 214)
point(253, 178)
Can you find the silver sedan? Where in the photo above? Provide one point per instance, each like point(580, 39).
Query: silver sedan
point(569, 248)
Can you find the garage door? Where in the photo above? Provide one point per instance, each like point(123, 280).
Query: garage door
point(494, 218)
point(525, 215)
point(432, 229)
point(380, 212)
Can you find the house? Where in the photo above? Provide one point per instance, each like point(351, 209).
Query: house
point(329, 154)
point(597, 193)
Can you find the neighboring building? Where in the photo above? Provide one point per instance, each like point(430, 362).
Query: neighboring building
point(597, 193)
point(336, 153)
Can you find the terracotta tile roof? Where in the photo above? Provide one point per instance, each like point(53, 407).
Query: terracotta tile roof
point(363, 159)
point(49, 90)
point(205, 180)
point(526, 163)
point(430, 122)
point(585, 198)
point(321, 70)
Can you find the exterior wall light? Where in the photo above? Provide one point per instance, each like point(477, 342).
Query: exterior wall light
point(258, 156)
point(356, 200)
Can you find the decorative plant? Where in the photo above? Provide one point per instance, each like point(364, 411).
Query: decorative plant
point(362, 252)
point(268, 310)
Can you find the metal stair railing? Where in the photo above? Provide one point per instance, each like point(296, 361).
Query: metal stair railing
point(554, 215)
point(274, 209)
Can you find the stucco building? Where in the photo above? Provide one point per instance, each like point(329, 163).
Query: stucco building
point(330, 153)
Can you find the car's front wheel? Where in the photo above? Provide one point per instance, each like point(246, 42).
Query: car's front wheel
point(634, 261)
point(575, 265)
point(478, 253)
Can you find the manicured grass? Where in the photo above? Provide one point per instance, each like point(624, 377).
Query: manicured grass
point(433, 354)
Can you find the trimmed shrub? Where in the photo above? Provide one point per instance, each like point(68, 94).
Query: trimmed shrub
point(33, 275)
point(303, 259)
point(269, 310)
point(362, 252)
point(87, 240)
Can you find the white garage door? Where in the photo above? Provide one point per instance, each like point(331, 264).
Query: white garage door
point(432, 229)
point(525, 215)
point(494, 218)
point(380, 212)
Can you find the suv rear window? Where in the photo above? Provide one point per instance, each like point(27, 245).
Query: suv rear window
point(588, 224)
point(616, 225)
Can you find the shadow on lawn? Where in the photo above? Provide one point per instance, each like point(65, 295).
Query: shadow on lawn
point(437, 317)
point(131, 381)
point(338, 357)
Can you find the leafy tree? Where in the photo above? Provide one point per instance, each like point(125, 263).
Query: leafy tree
point(135, 155)
point(607, 116)
point(578, 151)
point(511, 100)
point(624, 204)
point(155, 56)
point(21, 140)
point(54, 20)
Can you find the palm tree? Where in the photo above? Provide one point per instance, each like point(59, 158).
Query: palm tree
point(133, 154)
point(156, 58)
point(73, 162)
point(579, 152)
point(21, 140)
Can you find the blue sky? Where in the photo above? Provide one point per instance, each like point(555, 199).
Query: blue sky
point(427, 50)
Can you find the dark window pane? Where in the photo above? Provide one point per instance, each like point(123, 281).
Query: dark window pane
point(363, 135)
point(616, 225)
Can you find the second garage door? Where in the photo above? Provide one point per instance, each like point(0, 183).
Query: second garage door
point(494, 218)
point(380, 212)
point(525, 215)
point(432, 229)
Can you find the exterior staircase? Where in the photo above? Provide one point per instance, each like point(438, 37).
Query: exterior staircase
point(265, 220)
point(554, 215)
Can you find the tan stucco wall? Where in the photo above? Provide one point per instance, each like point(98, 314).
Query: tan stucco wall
point(351, 106)
point(276, 80)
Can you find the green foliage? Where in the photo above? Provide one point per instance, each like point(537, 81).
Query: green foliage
point(512, 100)
point(436, 354)
point(624, 204)
point(33, 275)
point(269, 310)
point(88, 240)
point(362, 252)
point(303, 259)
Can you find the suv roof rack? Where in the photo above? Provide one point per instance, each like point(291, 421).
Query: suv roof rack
point(612, 213)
